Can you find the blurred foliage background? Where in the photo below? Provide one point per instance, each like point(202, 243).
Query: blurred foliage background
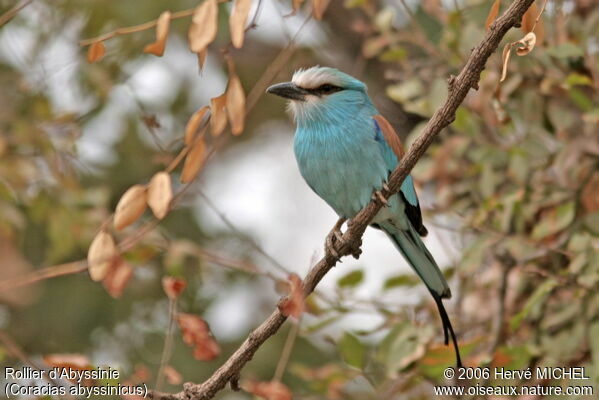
point(511, 188)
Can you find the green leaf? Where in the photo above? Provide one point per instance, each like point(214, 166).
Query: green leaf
point(352, 350)
point(431, 27)
point(404, 344)
point(555, 220)
point(566, 50)
point(400, 280)
point(534, 300)
point(352, 279)
point(405, 91)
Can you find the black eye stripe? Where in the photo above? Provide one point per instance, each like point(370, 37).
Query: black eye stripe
point(323, 89)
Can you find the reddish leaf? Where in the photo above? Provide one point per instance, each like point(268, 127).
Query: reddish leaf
point(118, 277)
point(162, 26)
point(172, 375)
point(268, 390)
point(294, 305)
point(95, 52)
point(173, 287)
point(197, 333)
point(493, 12)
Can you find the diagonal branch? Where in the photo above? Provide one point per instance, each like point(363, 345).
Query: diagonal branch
point(458, 89)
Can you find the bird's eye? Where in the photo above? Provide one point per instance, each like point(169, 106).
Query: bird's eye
point(327, 88)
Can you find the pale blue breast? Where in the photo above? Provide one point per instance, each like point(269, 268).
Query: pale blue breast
point(341, 159)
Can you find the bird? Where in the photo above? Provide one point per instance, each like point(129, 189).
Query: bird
point(345, 150)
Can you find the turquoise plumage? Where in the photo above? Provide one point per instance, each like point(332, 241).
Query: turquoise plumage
point(345, 151)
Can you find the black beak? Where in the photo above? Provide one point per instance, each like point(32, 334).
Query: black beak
point(288, 90)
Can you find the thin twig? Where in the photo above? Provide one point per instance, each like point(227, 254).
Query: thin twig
point(286, 353)
point(168, 342)
point(44, 273)
point(10, 14)
point(459, 88)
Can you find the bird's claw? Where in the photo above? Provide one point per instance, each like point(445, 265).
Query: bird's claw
point(335, 236)
point(386, 187)
point(377, 195)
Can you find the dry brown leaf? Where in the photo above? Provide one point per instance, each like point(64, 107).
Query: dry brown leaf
point(160, 194)
point(173, 376)
point(236, 105)
point(118, 277)
point(101, 255)
point(130, 207)
point(218, 119)
point(507, 51)
point(528, 23)
point(173, 287)
point(493, 12)
point(201, 59)
point(96, 52)
point(590, 194)
point(319, 7)
point(526, 44)
point(237, 21)
point(204, 26)
point(197, 333)
point(194, 123)
point(162, 26)
point(268, 390)
point(194, 161)
point(294, 305)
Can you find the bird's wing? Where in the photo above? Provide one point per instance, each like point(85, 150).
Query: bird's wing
point(392, 150)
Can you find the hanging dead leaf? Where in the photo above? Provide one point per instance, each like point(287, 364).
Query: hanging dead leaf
point(218, 119)
point(204, 26)
point(194, 161)
point(173, 376)
point(526, 44)
point(294, 305)
point(507, 51)
point(201, 59)
point(268, 390)
point(162, 26)
point(237, 21)
point(319, 7)
point(101, 255)
point(160, 194)
point(130, 207)
point(194, 123)
point(95, 52)
point(493, 12)
point(197, 333)
point(173, 287)
point(236, 105)
point(529, 19)
point(118, 277)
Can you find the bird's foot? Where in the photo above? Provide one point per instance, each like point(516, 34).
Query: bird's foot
point(386, 187)
point(377, 195)
point(333, 237)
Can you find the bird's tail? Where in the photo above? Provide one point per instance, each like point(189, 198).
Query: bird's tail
point(420, 259)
